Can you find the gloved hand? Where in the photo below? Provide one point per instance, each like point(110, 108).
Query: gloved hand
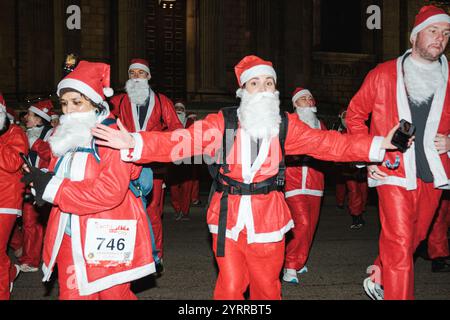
point(40, 181)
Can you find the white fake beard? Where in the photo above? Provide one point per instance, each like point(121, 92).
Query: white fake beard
point(33, 134)
point(74, 131)
point(308, 116)
point(182, 117)
point(422, 80)
point(138, 90)
point(259, 114)
point(2, 119)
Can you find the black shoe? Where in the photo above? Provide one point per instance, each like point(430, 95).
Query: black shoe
point(340, 207)
point(159, 269)
point(358, 222)
point(440, 265)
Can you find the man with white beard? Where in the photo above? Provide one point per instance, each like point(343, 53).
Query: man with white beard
point(38, 131)
point(413, 87)
point(12, 141)
point(248, 215)
point(142, 109)
point(97, 232)
point(303, 191)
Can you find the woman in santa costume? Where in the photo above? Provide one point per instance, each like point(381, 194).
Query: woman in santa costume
point(257, 215)
point(12, 142)
point(97, 232)
point(303, 192)
point(143, 109)
point(38, 131)
point(415, 88)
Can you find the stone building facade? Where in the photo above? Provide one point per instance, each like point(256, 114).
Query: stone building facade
point(324, 45)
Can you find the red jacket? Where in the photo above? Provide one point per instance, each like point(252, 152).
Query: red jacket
point(383, 95)
point(266, 217)
point(12, 142)
point(95, 190)
point(304, 175)
point(160, 116)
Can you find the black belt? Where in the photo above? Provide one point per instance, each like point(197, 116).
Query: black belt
point(234, 187)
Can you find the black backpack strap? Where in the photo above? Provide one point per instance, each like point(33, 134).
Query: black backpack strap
point(231, 125)
point(282, 138)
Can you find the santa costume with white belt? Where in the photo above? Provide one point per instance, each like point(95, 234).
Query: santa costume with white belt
point(12, 142)
point(415, 88)
point(142, 109)
point(256, 224)
point(304, 192)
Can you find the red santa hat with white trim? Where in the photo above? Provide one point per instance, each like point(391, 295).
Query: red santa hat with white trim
point(298, 93)
point(140, 64)
point(251, 67)
point(43, 109)
point(91, 79)
point(427, 16)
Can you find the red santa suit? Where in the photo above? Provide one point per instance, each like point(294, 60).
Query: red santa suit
point(40, 154)
point(438, 240)
point(406, 204)
point(161, 116)
point(182, 183)
point(12, 142)
point(256, 224)
point(351, 181)
point(97, 233)
point(303, 191)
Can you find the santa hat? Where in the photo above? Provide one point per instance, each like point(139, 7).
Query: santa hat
point(11, 114)
point(180, 104)
point(92, 79)
point(251, 67)
point(141, 64)
point(298, 93)
point(427, 16)
point(42, 108)
point(54, 115)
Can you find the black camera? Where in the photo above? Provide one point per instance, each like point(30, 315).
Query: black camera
point(402, 135)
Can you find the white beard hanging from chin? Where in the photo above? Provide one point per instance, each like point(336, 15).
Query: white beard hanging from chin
point(259, 114)
point(422, 80)
point(138, 90)
point(308, 116)
point(182, 117)
point(73, 131)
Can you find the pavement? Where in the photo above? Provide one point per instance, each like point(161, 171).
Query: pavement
point(337, 265)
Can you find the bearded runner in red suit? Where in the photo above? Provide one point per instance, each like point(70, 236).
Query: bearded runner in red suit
point(415, 88)
point(303, 191)
point(142, 109)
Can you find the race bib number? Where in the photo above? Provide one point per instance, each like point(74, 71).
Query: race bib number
point(110, 240)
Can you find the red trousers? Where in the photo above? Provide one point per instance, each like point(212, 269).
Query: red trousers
point(67, 280)
point(155, 211)
point(405, 219)
point(305, 212)
point(7, 269)
point(16, 241)
point(180, 194)
point(437, 240)
point(257, 265)
point(33, 236)
point(357, 195)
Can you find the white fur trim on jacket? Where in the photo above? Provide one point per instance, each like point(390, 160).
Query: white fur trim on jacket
point(133, 155)
point(11, 211)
